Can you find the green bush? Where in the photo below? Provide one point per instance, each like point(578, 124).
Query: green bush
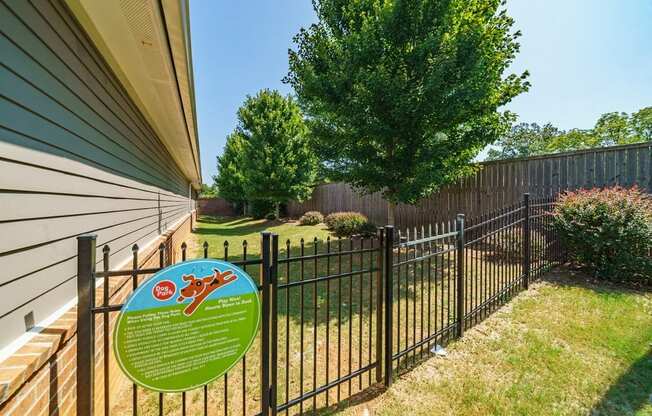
point(608, 232)
point(346, 224)
point(368, 229)
point(311, 218)
point(262, 208)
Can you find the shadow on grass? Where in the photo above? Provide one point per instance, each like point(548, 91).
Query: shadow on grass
point(210, 219)
point(233, 228)
point(364, 396)
point(633, 389)
point(566, 277)
point(630, 392)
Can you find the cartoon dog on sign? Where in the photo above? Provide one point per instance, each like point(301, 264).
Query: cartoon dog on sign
point(198, 289)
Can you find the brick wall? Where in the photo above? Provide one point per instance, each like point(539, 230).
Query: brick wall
point(39, 379)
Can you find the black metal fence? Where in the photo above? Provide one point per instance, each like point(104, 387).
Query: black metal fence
point(339, 315)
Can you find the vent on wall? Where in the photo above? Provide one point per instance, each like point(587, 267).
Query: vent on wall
point(140, 16)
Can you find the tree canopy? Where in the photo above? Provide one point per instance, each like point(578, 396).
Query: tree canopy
point(208, 191)
point(267, 157)
point(400, 94)
point(610, 129)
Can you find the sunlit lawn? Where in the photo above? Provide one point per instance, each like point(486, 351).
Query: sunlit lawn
point(216, 231)
point(566, 347)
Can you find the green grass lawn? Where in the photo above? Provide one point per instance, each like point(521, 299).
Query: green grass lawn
point(566, 347)
point(215, 231)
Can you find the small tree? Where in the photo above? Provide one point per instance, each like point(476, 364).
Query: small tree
point(277, 163)
point(230, 175)
point(403, 94)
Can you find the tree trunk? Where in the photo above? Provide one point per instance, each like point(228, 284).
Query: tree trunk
point(391, 208)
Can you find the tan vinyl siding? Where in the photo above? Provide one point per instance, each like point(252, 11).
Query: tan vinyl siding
point(76, 156)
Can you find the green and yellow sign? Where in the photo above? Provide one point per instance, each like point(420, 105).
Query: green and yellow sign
point(187, 325)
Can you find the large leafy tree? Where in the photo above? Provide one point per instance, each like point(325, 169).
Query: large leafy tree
point(402, 94)
point(277, 163)
point(230, 174)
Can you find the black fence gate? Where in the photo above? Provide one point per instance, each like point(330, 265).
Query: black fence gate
point(338, 315)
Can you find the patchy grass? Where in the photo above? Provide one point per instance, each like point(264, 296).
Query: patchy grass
point(216, 231)
point(565, 347)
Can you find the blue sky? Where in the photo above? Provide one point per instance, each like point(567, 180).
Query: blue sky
point(585, 57)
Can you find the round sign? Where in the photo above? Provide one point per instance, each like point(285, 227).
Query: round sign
point(187, 325)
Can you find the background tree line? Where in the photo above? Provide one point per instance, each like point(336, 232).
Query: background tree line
point(531, 139)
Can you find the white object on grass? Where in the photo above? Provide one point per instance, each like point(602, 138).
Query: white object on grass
point(439, 350)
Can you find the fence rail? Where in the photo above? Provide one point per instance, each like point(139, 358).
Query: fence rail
point(497, 184)
point(338, 315)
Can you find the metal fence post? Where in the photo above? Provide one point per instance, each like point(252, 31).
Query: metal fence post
point(265, 274)
point(459, 225)
point(526, 240)
point(274, 335)
point(379, 306)
point(85, 328)
point(389, 301)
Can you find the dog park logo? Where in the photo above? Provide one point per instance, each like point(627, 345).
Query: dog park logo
point(198, 289)
point(164, 290)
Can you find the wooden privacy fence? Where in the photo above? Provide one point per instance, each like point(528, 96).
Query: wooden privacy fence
point(338, 315)
point(218, 207)
point(497, 184)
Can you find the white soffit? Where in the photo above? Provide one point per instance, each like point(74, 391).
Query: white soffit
point(147, 44)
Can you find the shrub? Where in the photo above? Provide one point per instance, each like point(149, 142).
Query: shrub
point(346, 224)
point(261, 208)
point(270, 216)
point(368, 229)
point(311, 218)
point(608, 232)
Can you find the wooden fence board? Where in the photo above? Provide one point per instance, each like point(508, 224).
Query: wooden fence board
point(599, 177)
point(589, 170)
point(621, 167)
point(610, 169)
point(632, 162)
point(497, 184)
